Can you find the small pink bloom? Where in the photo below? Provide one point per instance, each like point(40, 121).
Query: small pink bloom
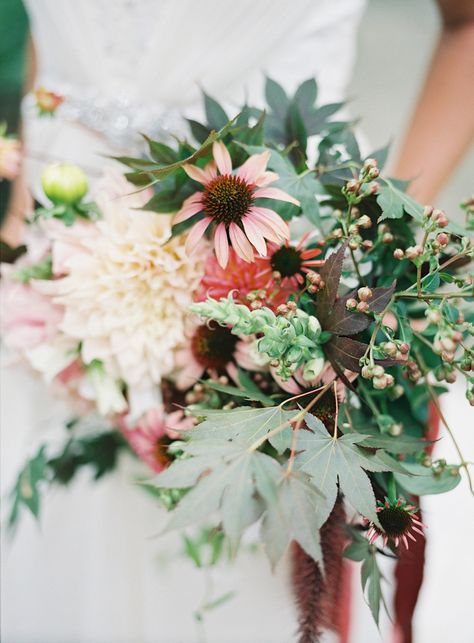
point(152, 433)
point(228, 203)
point(10, 158)
point(47, 101)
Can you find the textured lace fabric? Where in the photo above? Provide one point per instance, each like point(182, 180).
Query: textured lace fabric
point(128, 65)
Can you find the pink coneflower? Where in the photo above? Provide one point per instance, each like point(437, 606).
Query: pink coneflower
point(293, 262)
point(241, 278)
point(211, 348)
point(228, 201)
point(399, 520)
point(150, 437)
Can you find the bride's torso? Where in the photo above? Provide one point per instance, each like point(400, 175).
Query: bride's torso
point(128, 66)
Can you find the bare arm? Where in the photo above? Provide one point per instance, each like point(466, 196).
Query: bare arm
point(442, 127)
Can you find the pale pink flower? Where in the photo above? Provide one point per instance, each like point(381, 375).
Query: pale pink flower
point(228, 202)
point(10, 158)
point(29, 317)
point(152, 433)
point(210, 348)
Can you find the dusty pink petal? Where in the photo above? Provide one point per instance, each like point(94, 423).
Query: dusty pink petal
point(222, 158)
point(210, 170)
point(275, 193)
point(254, 167)
point(266, 178)
point(196, 234)
point(200, 175)
point(255, 235)
point(191, 206)
point(265, 227)
point(276, 222)
point(240, 243)
point(221, 245)
point(189, 375)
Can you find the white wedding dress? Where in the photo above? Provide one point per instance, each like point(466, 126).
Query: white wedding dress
point(91, 571)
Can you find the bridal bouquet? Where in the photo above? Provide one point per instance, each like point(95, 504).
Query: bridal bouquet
point(267, 321)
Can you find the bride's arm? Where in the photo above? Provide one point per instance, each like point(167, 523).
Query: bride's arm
point(442, 127)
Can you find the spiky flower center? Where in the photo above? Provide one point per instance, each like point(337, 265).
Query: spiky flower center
point(396, 521)
point(213, 346)
point(227, 199)
point(287, 261)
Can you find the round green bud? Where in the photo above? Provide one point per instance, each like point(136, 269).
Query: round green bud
point(64, 183)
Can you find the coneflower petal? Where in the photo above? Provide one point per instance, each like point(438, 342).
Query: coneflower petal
point(221, 245)
point(254, 235)
point(191, 206)
point(240, 243)
point(222, 157)
point(272, 218)
point(254, 167)
point(275, 193)
point(199, 174)
point(196, 233)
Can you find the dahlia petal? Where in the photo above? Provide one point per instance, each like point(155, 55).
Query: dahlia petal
point(275, 193)
point(255, 235)
point(221, 245)
point(196, 233)
point(222, 157)
point(254, 167)
point(191, 206)
point(275, 221)
point(240, 243)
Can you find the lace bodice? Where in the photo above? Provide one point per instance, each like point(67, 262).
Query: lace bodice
point(128, 65)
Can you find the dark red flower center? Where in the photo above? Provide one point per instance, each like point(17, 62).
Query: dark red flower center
point(396, 521)
point(287, 261)
point(213, 346)
point(227, 199)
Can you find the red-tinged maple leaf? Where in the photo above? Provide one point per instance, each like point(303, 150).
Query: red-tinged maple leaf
point(341, 350)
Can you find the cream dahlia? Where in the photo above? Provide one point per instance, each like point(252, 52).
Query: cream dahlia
point(228, 202)
point(127, 297)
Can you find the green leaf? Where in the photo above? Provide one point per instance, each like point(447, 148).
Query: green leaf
point(329, 460)
point(276, 98)
point(371, 577)
point(400, 444)
point(161, 153)
point(215, 114)
point(426, 483)
point(254, 395)
point(199, 131)
point(357, 551)
point(246, 425)
point(394, 202)
point(297, 514)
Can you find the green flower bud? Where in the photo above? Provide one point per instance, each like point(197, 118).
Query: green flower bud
point(64, 183)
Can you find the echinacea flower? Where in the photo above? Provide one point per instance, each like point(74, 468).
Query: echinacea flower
point(210, 348)
point(399, 520)
point(228, 202)
point(293, 262)
point(151, 435)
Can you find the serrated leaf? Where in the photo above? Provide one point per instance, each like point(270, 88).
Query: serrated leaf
point(345, 352)
point(245, 424)
point(329, 460)
point(184, 473)
point(255, 395)
point(215, 114)
point(394, 202)
point(160, 152)
point(237, 496)
point(276, 98)
point(344, 322)
point(400, 444)
point(331, 275)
